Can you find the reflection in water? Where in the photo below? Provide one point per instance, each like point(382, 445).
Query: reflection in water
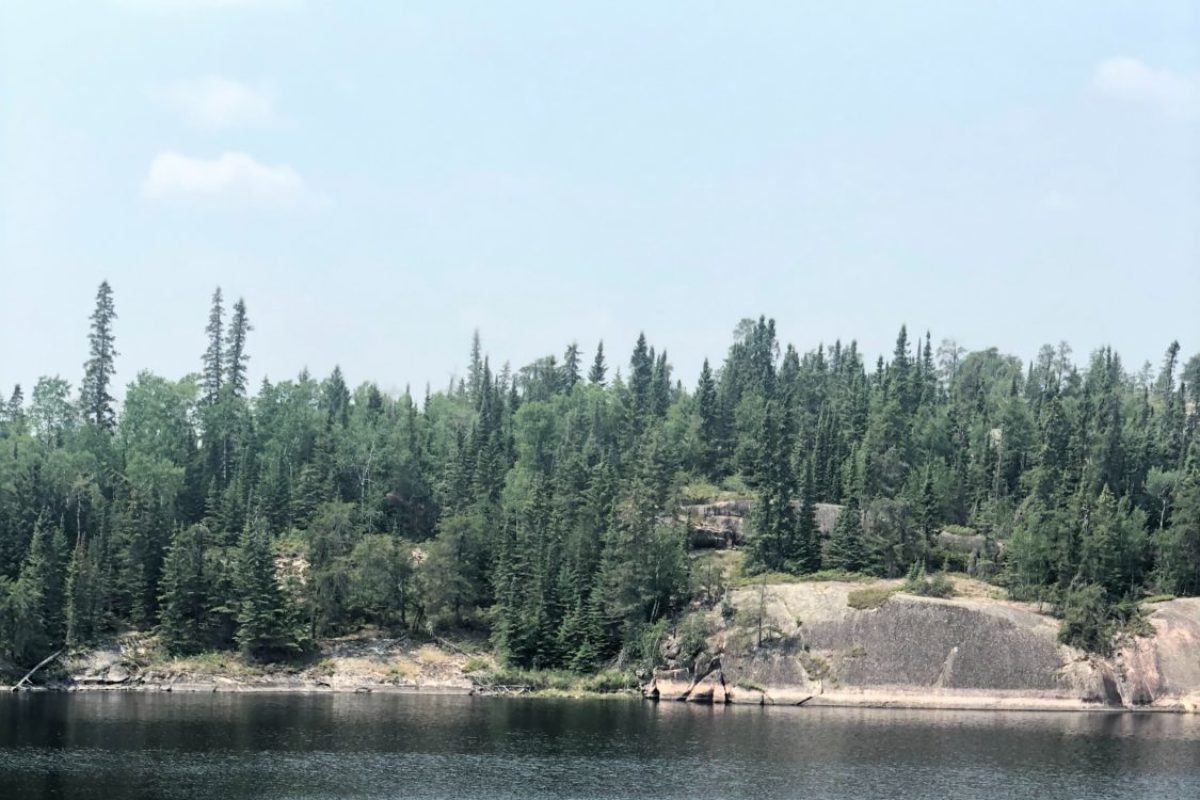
point(118, 746)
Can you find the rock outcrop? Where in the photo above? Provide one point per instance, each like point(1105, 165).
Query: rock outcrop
point(133, 662)
point(963, 652)
point(722, 524)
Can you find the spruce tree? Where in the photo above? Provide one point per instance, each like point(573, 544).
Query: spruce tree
point(265, 628)
point(808, 534)
point(599, 371)
point(708, 411)
point(776, 545)
point(214, 355)
point(847, 550)
point(184, 601)
point(84, 595)
point(570, 366)
point(96, 401)
point(236, 357)
point(35, 624)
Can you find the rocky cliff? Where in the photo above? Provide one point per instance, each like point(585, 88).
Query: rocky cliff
point(805, 643)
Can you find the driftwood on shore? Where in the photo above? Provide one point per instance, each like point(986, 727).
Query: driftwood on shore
point(17, 686)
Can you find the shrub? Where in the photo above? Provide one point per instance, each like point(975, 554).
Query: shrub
point(610, 680)
point(692, 634)
point(476, 664)
point(872, 597)
point(1085, 619)
point(919, 583)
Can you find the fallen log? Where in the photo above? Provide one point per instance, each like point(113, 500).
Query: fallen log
point(42, 663)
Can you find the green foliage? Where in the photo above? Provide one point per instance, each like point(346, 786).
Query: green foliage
point(540, 509)
point(919, 583)
point(847, 550)
point(1086, 619)
point(692, 635)
point(869, 597)
point(266, 627)
point(185, 601)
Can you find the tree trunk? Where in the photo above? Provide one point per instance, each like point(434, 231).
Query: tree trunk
point(42, 663)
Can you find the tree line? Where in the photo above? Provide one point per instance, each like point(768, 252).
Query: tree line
point(537, 505)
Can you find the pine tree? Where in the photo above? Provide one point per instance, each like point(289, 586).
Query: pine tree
point(475, 369)
point(214, 355)
point(35, 624)
point(1178, 547)
point(265, 628)
point(84, 595)
point(95, 398)
point(598, 372)
point(184, 601)
point(236, 357)
point(847, 550)
point(708, 411)
point(808, 534)
point(776, 546)
point(570, 366)
point(641, 376)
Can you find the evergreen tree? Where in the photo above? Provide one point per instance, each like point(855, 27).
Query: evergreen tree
point(84, 595)
point(776, 545)
point(599, 371)
point(96, 400)
point(808, 535)
point(185, 601)
point(570, 366)
point(708, 410)
point(236, 357)
point(34, 623)
point(214, 355)
point(847, 550)
point(265, 628)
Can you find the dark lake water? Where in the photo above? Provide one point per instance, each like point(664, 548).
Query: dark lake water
point(118, 746)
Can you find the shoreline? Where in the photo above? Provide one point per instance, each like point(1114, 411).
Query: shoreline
point(899, 699)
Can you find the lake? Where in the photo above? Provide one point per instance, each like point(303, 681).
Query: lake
point(125, 745)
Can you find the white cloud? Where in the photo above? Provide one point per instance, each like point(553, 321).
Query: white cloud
point(217, 103)
point(1174, 93)
point(230, 176)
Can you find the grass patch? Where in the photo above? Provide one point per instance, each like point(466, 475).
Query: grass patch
point(836, 575)
point(870, 597)
point(216, 662)
point(749, 685)
point(559, 683)
point(1158, 598)
point(429, 656)
point(769, 578)
point(476, 664)
point(742, 580)
point(919, 583)
point(818, 668)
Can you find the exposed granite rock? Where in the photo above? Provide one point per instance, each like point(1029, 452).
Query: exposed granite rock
point(722, 524)
point(963, 652)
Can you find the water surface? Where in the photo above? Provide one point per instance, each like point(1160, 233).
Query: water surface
point(119, 746)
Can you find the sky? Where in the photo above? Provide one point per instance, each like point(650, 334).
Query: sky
point(378, 180)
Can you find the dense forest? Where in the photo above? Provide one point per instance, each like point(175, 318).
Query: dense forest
point(536, 505)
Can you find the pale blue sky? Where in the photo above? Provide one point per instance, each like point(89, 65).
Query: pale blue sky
point(378, 179)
